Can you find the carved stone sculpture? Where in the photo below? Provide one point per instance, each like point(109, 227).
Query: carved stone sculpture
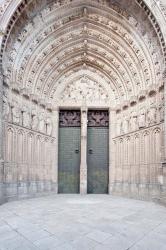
point(15, 113)
point(161, 113)
point(48, 126)
point(42, 127)
point(35, 122)
point(6, 108)
point(142, 119)
point(133, 122)
point(84, 88)
point(84, 122)
point(125, 125)
point(152, 115)
point(26, 118)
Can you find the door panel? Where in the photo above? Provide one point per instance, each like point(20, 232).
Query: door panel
point(69, 160)
point(97, 159)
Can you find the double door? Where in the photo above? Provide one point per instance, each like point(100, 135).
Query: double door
point(97, 152)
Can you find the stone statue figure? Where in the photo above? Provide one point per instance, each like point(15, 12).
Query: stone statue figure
point(161, 112)
point(48, 126)
point(42, 127)
point(35, 122)
point(142, 119)
point(152, 115)
point(15, 113)
point(6, 108)
point(161, 96)
point(84, 122)
point(133, 122)
point(125, 125)
point(26, 117)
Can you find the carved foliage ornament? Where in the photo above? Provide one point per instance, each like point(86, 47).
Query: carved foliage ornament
point(69, 118)
point(98, 118)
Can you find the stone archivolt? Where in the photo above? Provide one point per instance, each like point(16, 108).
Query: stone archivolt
point(83, 53)
point(104, 41)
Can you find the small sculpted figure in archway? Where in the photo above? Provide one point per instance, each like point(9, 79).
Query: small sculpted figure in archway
point(142, 119)
point(26, 118)
point(35, 120)
point(49, 126)
point(125, 125)
point(133, 122)
point(15, 113)
point(84, 122)
point(152, 115)
point(42, 128)
point(161, 112)
point(6, 108)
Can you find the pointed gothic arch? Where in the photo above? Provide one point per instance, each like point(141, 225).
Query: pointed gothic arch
point(85, 54)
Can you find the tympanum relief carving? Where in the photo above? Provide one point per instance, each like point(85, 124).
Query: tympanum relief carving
point(85, 89)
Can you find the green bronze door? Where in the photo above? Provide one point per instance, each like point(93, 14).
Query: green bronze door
point(97, 152)
point(69, 152)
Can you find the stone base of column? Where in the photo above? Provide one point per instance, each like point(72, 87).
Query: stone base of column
point(83, 187)
point(83, 178)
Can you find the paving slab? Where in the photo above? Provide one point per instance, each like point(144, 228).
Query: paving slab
point(78, 222)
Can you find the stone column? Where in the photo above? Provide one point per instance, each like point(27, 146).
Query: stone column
point(55, 134)
point(83, 165)
point(1, 140)
point(164, 143)
point(112, 129)
point(164, 118)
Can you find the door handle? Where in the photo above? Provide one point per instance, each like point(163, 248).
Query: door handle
point(77, 151)
point(90, 151)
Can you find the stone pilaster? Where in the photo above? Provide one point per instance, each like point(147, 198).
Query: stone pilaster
point(83, 165)
point(55, 134)
point(112, 129)
point(1, 140)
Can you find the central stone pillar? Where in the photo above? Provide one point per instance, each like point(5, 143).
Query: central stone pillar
point(55, 134)
point(83, 165)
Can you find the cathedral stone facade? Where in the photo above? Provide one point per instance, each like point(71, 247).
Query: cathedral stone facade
point(82, 106)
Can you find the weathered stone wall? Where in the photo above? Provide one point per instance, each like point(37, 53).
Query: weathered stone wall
point(29, 162)
point(137, 169)
point(29, 147)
